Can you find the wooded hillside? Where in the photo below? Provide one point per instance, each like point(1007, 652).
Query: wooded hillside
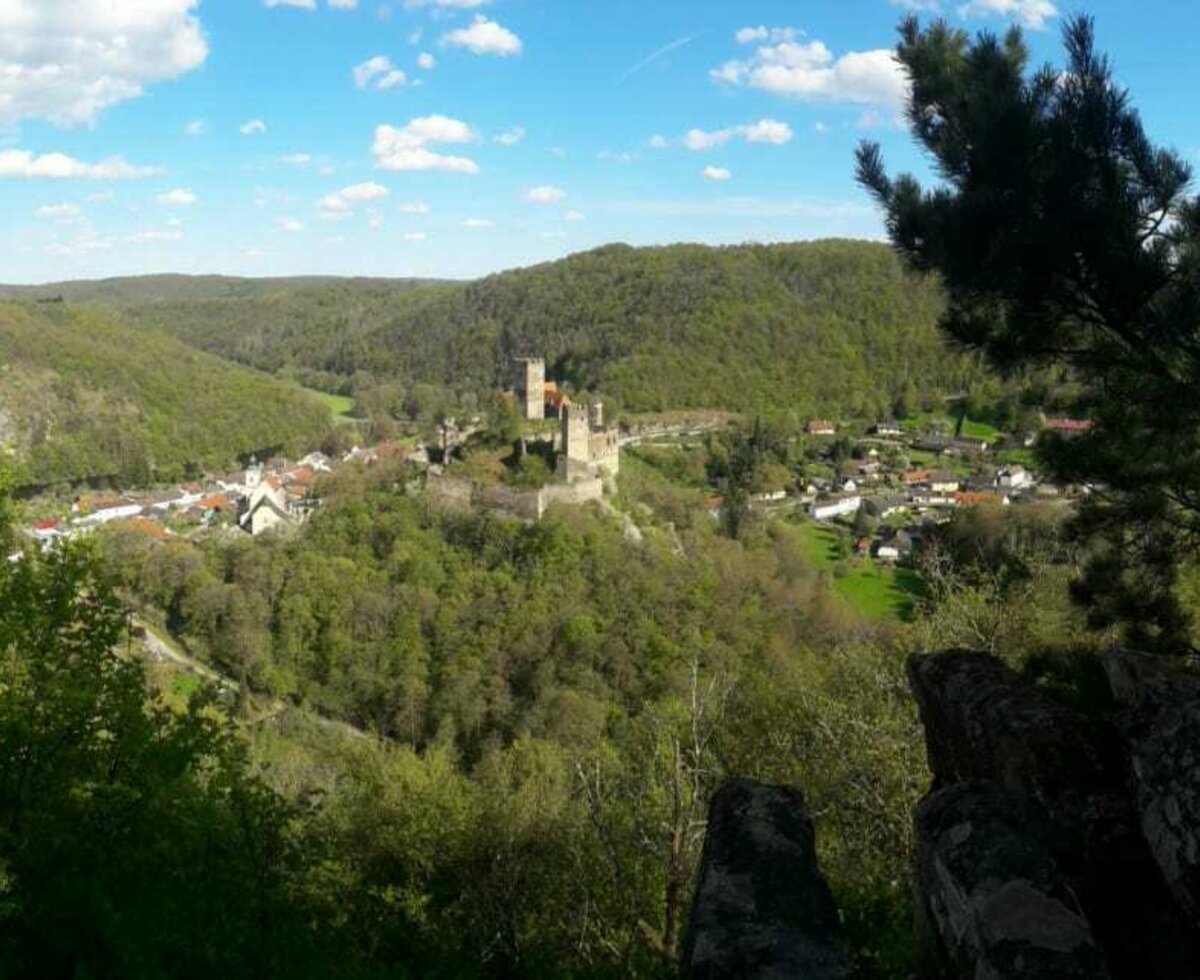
point(831, 327)
point(84, 395)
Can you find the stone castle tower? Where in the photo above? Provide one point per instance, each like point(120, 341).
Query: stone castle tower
point(587, 448)
point(531, 387)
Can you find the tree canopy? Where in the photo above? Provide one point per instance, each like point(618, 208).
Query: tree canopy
point(1064, 236)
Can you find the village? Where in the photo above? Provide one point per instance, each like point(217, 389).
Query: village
point(880, 486)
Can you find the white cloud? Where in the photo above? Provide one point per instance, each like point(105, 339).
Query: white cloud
point(426, 61)
point(510, 137)
point(379, 73)
point(291, 225)
point(155, 235)
point(809, 72)
point(415, 236)
point(1032, 13)
point(69, 60)
point(302, 4)
point(197, 127)
point(101, 197)
point(343, 203)
point(554, 234)
point(343, 4)
point(716, 173)
point(252, 127)
point(657, 142)
point(296, 159)
point(413, 207)
point(545, 194)
point(754, 35)
point(820, 127)
point(180, 196)
point(83, 244)
point(374, 219)
point(764, 131)
point(558, 151)
point(409, 147)
point(485, 37)
point(59, 166)
point(477, 223)
point(573, 216)
point(59, 212)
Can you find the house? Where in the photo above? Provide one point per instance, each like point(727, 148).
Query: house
point(883, 507)
point(827, 510)
point(887, 428)
point(885, 551)
point(966, 445)
point(913, 478)
point(265, 509)
point(1068, 428)
point(942, 482)
point(770, 496)
point(820, 427)
point(968, 499)
point(1014, 477)
point(848, 486)
point(318, 462)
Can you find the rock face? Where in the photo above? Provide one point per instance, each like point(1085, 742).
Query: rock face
point(762, 909)
point(1065, 807)
point(1160, 723)
point(993, 893)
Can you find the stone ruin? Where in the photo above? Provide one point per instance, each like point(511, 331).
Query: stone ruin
point(1051, 844)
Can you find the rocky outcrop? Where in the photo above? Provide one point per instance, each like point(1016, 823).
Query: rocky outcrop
point(762, 909)
point(1159, 720)
point(993, 894)
point(1071, 777)
point(1052, 844)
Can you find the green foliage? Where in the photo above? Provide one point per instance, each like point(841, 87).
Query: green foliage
point(88, 396)
point(825, 328)
point(133, 841)
point(1067, 240)
point(558, 705)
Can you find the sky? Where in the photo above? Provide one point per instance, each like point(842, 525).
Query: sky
point(455, 138)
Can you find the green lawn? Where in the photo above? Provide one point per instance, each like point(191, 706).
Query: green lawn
point(876, 591)
point(980, 430)
point(339, 405)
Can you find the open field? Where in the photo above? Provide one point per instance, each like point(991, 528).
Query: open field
point(876, 591)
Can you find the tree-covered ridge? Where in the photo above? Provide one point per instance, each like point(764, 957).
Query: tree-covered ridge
point(85, 395)
point(830, 327)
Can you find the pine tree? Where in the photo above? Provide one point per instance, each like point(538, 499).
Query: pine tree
point(1064, 237)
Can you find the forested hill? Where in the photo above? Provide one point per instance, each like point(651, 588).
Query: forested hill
point(84, 395)
point(831, 327)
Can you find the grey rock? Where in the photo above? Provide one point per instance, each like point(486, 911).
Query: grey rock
point(762, 909)
point(993, 897)
point(1160, 721)
point(984, 722)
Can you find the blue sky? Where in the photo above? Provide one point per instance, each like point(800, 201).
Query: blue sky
point(461, 137)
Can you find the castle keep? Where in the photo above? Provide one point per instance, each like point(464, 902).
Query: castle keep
point(531, 387)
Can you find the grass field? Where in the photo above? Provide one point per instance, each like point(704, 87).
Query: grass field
point(876, 591)
point(338, 405)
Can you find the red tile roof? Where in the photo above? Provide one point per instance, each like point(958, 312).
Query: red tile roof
point(1069, 425)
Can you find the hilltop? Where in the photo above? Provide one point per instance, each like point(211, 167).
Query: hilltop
point(85, 395)
point(830, 327)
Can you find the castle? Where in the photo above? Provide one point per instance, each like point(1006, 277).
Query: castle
point(588, 449)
